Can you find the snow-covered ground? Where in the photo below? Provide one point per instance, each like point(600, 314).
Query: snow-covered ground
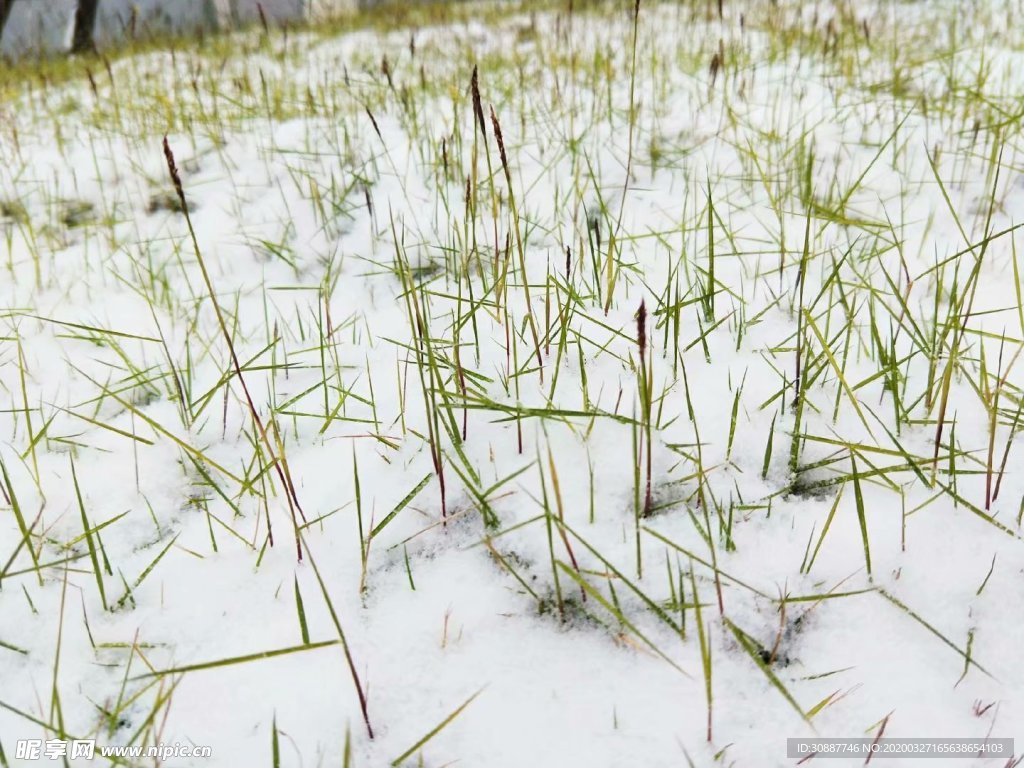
point(647, 399)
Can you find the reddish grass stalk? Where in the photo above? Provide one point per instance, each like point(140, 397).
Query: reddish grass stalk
point(519, 241)
point(280, 466)
point(645, 397)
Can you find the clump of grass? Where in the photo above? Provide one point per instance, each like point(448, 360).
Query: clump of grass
point(77, 213)
point(165, 201)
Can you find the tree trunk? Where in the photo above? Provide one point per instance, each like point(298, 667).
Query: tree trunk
point(5, 10)
point(85, 23)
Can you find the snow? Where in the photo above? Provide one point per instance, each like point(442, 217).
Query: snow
point(107, 317)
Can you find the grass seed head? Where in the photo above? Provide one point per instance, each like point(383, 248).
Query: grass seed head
point(478, 108)
point(641, 328)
